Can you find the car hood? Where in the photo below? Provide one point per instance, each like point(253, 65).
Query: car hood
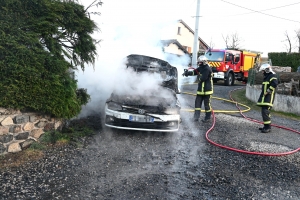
point(154, 101)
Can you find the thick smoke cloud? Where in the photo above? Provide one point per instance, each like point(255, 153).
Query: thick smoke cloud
point(123, 33)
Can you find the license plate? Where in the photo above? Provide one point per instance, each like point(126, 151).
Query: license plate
point(134, 118)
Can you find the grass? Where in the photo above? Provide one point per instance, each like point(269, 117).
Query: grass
point(50, 139)
point(240, 96)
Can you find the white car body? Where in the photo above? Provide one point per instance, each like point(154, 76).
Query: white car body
point(158, 109)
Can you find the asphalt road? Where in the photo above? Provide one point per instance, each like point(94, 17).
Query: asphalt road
point(119, 164)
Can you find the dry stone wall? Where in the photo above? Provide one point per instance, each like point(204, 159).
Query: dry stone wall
point(19, 130)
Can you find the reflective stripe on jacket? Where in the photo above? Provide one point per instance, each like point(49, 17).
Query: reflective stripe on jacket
point(269, 83)
point(205, 85)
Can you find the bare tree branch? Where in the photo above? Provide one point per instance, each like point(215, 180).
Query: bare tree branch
point(298, 39)
point(211, 44)
point(289, 45)
point(99, 3)
point(233, 41)
point(226, 40)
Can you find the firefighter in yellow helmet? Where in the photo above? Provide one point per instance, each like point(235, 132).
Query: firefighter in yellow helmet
point(267, 96)
point(205, 88)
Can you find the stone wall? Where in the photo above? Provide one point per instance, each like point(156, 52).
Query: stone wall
point(18, 130)
point(284, 103)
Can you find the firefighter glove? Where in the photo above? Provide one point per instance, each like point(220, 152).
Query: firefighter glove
point(199, 77)
point(185, 73)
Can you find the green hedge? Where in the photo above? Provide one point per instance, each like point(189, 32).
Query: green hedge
point(40, 42)
point(285, 59)
point(28, 83)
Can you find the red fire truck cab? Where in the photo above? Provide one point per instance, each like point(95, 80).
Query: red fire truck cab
point(231, 64)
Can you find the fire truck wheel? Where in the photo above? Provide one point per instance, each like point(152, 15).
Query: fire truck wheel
point(229, 80)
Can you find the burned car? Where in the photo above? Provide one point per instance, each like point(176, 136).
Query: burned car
point(156, 108)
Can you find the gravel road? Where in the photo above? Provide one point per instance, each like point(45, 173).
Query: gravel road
point(115, 164)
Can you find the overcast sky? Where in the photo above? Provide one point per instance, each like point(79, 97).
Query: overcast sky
point(260, 24)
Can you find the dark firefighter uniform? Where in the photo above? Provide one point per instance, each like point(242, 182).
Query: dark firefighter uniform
point(205, 89)
point(266, 99)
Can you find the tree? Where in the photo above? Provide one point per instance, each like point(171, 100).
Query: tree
point(211, 44)
point(289, 45)
point(40, 41)
point(233, 41)
point(298, 39)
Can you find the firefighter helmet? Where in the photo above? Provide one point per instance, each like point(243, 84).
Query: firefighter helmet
point(202, 59)
point(266, 67)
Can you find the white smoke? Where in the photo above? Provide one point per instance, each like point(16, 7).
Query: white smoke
point(123, 33)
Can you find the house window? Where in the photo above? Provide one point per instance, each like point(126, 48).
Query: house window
point(179, 31)
point(189, 49)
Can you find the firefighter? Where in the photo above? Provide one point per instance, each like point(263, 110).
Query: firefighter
point(266, 98)
point(205, 88)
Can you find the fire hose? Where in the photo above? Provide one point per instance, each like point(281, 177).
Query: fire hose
point(253, 120)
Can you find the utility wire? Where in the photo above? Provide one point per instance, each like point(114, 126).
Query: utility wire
point(265, 10)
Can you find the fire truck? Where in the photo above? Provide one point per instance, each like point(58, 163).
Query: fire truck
point(232, 64)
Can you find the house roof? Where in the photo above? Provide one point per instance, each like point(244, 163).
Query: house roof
point(173, 41)
point(191, 30)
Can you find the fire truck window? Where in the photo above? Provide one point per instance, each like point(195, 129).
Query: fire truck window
point(228, 57)
point(236, 59)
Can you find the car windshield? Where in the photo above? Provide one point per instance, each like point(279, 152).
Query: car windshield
point(160, 68)
point(214, 56)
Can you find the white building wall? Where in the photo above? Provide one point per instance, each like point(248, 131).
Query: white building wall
point(186, 38)
point(173, 49)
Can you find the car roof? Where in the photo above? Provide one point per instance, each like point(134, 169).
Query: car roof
point(137, 59)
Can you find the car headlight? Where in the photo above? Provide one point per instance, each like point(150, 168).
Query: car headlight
point(113, 106)
point(172, 111)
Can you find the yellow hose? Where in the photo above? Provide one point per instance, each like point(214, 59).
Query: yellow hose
point(219, 111)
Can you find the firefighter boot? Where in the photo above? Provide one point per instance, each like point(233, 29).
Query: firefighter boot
point(207, 117)
point(261, 128)
point(266, 128)
point(196, 115)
